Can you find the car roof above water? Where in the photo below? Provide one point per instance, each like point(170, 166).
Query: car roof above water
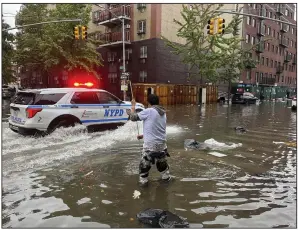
point(60, 90)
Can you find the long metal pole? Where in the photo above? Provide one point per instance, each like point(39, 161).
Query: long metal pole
point(41, 23)
point(123, 40)
point(256, 16)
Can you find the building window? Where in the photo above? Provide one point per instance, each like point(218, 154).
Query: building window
point(267, 61)
point(273, 33)
point(128, 54)
point(271, 63)
point(266, 13)
point(254, 22)
point(143, 76)
point(268, 47)
point(248, 20)
point(270, 15)
point(112, 67)
point(142, 27)
point(282, 79)
point(112, 78)
point(276, 49)
point(261, 77)
point(286, 67)
point(247, 38)
point(257, 77)
point(274, 77)
point(268, 30)
point(248, 74)
point(252, 40)
point(262, 61)
point(287, 12)
point(277, 35)
point(265, 28)
point(272, 48)
point(292, 30)
point(291, 43)
point(254, 6)
point(143, 53)
point(275, 64)
point(258, 59)
point(265, 76)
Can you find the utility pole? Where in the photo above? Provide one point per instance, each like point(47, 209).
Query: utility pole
point(42, 23)
point(121, 18)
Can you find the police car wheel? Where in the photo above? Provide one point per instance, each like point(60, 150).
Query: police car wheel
point(66, 122)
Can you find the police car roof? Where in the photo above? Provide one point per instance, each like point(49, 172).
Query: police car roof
point(66, 90)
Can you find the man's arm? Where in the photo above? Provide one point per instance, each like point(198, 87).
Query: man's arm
point(133, 116)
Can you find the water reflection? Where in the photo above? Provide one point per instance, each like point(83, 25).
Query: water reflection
point(75, 179)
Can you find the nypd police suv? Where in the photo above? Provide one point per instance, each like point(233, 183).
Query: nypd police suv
point(44, 110)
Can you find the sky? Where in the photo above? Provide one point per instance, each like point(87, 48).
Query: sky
point(8, 12)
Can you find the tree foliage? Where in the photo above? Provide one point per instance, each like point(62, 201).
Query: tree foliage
point(217, 57)
point(48, 46)
point(7, 55)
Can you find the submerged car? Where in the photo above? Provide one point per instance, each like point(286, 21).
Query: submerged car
point(244, 98)
point(44, 110)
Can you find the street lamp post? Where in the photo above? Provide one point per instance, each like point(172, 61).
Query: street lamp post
point(123, 43)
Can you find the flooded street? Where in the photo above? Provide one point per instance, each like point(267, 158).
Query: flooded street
point(72, 178)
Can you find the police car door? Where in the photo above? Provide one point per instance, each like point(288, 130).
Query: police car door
point(86, 107)
point(114, 110)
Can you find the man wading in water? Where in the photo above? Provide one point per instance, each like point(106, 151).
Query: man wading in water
point(155, 147)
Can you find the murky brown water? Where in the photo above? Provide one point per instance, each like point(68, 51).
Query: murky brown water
point(253, 185)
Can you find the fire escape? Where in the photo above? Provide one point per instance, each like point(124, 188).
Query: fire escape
point(113, 35)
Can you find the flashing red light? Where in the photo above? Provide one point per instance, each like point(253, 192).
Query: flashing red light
point(31, 112)
point(88, 84)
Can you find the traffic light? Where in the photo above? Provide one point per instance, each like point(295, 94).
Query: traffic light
point(84, 32)
point(210, 27)
point(76, 31)
point(220, 26)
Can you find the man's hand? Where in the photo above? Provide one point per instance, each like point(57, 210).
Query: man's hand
point(133, 102)
point(140, 137)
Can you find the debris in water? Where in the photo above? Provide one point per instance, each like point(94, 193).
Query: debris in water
point(136, 194)
point(161, 218)
point(106, 202)
point(217, 154)
point(103, 186)
point(131, 219)
point(89, 173)
point(240, 129)
point(83, 201)
point(251, 149)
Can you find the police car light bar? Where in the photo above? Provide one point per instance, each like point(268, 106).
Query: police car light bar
point(88, 84)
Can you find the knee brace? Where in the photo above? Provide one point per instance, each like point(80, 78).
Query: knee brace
point(162, 165)
point(144, 168)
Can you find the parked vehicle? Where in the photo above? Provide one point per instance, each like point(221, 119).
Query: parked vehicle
point(8, 92)
point(44, 110)
point(244, 98)
point(294, 103)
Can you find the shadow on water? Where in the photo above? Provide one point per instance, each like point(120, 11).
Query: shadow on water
point(77, 179)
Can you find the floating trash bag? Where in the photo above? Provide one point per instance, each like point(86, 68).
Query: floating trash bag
point(160, 218)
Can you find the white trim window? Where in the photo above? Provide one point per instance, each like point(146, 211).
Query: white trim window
point(141, 26)
point(143, 76)
point(247, 38)
point(143, 52)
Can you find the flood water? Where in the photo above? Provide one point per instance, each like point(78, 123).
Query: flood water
point(77, 179)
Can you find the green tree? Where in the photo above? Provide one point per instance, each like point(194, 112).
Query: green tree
point(7, 55)
point(198, 52)
point(48, 46)
point(233, 58)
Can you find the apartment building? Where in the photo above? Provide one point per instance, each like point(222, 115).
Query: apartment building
point(148, 59)
point(276, 54)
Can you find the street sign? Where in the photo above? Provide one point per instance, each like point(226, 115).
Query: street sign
point(124, 86)
point(121, 67)
point(124, 76)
